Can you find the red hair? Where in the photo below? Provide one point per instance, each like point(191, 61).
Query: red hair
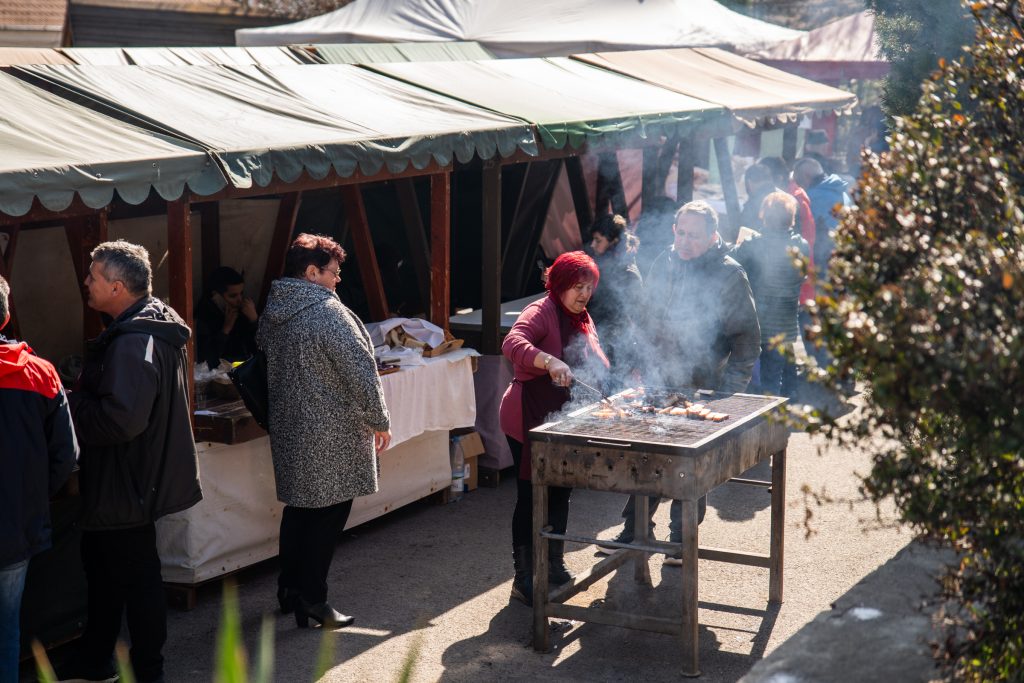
point(570, 268)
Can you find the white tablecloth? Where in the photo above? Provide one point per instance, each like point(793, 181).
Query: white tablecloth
point(237, 522)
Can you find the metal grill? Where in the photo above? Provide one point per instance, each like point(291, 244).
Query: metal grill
point(677, 431)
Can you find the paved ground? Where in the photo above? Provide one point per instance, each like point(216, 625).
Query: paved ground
point(438, 578)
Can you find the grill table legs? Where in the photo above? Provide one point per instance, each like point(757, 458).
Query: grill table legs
point(541, 636)
point(778, 527)
point(641, 533)
point(689, 589)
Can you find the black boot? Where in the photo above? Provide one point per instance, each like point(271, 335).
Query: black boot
point(558, 573)
point(522, 582)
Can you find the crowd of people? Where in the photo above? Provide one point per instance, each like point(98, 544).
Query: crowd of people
point(706, 314)
point(703, 313)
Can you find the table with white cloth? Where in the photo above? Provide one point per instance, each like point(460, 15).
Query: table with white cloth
point(237, 522)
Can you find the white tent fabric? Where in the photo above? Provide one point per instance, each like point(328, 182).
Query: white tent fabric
point(534, 28)
point(851, 39)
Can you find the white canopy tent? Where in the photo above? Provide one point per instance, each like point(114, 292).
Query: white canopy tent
point(533, 28)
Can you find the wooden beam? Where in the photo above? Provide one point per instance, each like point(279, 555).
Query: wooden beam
point(6, 269)
point(39, 213)
point(209, 216)
point(85, 233)
point(284, 226)
point(179, 269)
point(649, 177)
point(727, 226)
point(580, 200)
point(789, 143)
point(440, 248)
point(490, 260)
point(415, 234)
point(684, 170)
point(609, 186)
point(362, 240)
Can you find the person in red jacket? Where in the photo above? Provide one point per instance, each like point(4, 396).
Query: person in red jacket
point(552, 339)
point(38, 451)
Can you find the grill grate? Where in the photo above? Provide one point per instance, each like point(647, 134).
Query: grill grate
point(669, 430)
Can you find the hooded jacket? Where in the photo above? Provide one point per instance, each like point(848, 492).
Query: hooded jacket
point(825, 196)
point(325, 397)
point(702, 320)
point(774, 281)
point(37, 450)
point(132, 416)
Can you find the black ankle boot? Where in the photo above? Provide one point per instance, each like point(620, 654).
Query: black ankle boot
point(286, 599)
point(522, 582)
point(322, 613)
point(558, 573)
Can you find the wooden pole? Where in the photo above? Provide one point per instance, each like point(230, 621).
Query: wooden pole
point(85, 233)
point(440, 248)
point(684, 171)
point(490, 260)
point(578, 188)
point(287, 211)
point(789, 143)
point(362, 240)
point(728, 227)
point(6, 268)
point(179, 265)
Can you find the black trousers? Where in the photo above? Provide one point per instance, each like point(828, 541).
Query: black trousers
point(123, 573)
point(522, 515)
point(307, 543)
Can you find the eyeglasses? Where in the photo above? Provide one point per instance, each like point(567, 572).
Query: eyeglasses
point(335, 273)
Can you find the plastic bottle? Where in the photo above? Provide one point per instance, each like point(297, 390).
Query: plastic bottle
point(458, 471)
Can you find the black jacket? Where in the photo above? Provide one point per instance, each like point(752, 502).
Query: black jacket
point(211, 342)
point(37, 450)
point(774, 280)
point(131, 413)
point(701, 321)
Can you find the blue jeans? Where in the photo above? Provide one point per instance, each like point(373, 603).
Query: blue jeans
point(12, 585)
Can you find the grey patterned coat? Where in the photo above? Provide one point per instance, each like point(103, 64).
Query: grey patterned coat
point(326, 399)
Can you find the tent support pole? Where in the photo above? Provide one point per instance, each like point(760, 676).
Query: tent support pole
point(85, 233)
point(179, 269)
point(415, 232)
point(6, 268)
point(287, 211)
point(789, 143)
point(362, 241)
point(580, 201)
point(440, 248)
point(491, 259)
point(649, 177)
point(728, 227)
point(684, 171)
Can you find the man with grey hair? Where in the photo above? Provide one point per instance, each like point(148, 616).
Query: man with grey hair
point(701, 323)
point(138, 462)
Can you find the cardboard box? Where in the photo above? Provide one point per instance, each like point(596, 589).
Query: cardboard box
point(472, 447)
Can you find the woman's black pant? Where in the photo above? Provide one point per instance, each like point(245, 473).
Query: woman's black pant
point(307, 542)
point(522, 516)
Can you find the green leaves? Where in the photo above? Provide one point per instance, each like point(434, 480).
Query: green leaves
point(926, 301)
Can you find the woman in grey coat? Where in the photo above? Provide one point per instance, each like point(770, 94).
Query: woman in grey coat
point(327, 420)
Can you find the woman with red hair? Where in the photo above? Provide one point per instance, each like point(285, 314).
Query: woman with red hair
point(551, 338)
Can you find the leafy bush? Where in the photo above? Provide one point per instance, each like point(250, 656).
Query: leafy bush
point(926, 301)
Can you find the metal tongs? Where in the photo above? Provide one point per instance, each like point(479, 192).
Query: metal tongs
point(604, 399)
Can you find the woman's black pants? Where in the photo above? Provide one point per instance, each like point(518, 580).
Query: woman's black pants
point(522, 516)
point(307, 542)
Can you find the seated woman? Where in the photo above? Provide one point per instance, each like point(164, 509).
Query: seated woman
point(552, 338)
point(614, 250)
point(225, 320)
point(775, 282)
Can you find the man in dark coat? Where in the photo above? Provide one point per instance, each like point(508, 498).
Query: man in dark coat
point(702, 325)
point(37, 453)
point(138, 463)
